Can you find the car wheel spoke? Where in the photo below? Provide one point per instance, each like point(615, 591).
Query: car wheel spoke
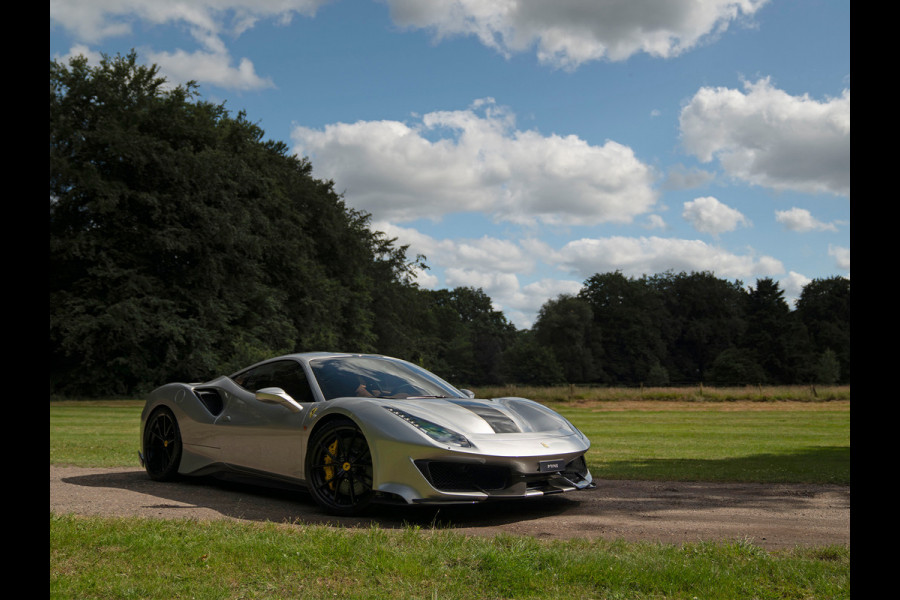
point(162, 445)
point(339, 468)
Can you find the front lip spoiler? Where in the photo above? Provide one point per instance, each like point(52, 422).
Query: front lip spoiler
point(479, 497)
point(517, 485)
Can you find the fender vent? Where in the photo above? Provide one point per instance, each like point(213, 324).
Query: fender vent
point(211, 400)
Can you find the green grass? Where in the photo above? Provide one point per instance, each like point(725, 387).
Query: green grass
point(135, 558)
point(777, 442)
point(95, 434)
point(781, 445)
point(731, 440)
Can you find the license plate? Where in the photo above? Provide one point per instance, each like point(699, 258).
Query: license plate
point(551, 466)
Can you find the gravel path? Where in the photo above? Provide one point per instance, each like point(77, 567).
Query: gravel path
point(770, 516)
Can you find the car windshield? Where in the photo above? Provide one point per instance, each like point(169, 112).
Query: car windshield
point(377, 377)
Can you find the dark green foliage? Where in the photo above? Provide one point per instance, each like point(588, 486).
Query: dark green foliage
point(183, 245)
point(824, 309)
point(775, 338)
point(768, 323)
point(694, 327)
point(629, 320)
point(469, 336)
point(566, 328)
point(827, 368)
point(736, 366)
point(529, 362)
point(703, 318)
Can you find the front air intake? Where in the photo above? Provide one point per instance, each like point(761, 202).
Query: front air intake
point(464, 477)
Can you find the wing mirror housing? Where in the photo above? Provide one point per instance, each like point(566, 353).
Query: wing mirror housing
point(275, 395)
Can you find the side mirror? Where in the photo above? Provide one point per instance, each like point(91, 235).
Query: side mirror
point(468, 393)
point(274, 395)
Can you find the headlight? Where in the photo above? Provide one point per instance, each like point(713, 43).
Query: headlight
point(433, 430)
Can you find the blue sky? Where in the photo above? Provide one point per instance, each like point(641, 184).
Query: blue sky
point(524, 145)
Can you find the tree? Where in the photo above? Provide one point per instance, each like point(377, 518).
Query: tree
point(629, 318)
point(471, 333)
point(704, 317)
point(827, 368)
point(824, 308)
point(529, 362)
point(772, 337)
point(736, 366)
point(565, 326)
point(182, 244)
point(133, 231)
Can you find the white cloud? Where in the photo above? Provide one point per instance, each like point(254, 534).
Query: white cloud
point(209, 67)
point(638, 256)
point(95, 20)
point(487, 254)
point(567, 33)
point(564, 33)
point(841, 256)
point(478, 162)
point(519, 303)
point(496, 285)
point(425, 279)
point(654, 222)
point(522, 307)
point(793, 285)
point(91, 21)
point(769, 138)
point(801, 220)
point(708, 215)
point(92, 57)
point(681, 178)
point(492, 264)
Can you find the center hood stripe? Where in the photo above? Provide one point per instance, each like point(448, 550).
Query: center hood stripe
point(499, 422)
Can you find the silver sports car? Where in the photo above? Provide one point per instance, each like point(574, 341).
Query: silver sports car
point(354, 429)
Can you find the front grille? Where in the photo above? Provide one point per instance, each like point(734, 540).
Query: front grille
point(463, 477)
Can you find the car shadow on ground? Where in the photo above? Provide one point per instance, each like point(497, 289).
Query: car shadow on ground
point(213, 497)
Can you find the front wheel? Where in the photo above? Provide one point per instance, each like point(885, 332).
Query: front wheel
point(339, 468)
point(162, 445)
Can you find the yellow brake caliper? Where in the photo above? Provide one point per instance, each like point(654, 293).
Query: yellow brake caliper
point(329, 471)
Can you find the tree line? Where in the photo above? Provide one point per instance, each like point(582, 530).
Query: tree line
point(678, 328)
point(184, 245)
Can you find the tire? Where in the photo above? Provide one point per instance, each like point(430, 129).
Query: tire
point(162, 445)
point(339, 468)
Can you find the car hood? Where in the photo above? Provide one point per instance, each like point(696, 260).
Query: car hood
point(475, 417)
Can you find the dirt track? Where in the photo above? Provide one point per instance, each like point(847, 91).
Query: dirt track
point(769, 516)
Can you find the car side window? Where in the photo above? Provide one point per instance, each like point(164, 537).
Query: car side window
point(285, 374)
point(289, 376)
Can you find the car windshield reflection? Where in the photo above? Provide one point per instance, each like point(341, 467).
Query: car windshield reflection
point(368, 376)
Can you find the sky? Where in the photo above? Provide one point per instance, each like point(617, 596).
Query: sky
point(522, 146)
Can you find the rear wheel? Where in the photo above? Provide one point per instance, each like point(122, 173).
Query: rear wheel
point(339, 468)
point(162, 445)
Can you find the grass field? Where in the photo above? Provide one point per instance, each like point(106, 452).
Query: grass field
point(735, 439)
point(741, 440)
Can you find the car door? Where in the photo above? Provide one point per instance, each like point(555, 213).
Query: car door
point(262, 436)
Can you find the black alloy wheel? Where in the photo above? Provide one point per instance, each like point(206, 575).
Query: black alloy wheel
point(162, 445)
point(339, 468)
